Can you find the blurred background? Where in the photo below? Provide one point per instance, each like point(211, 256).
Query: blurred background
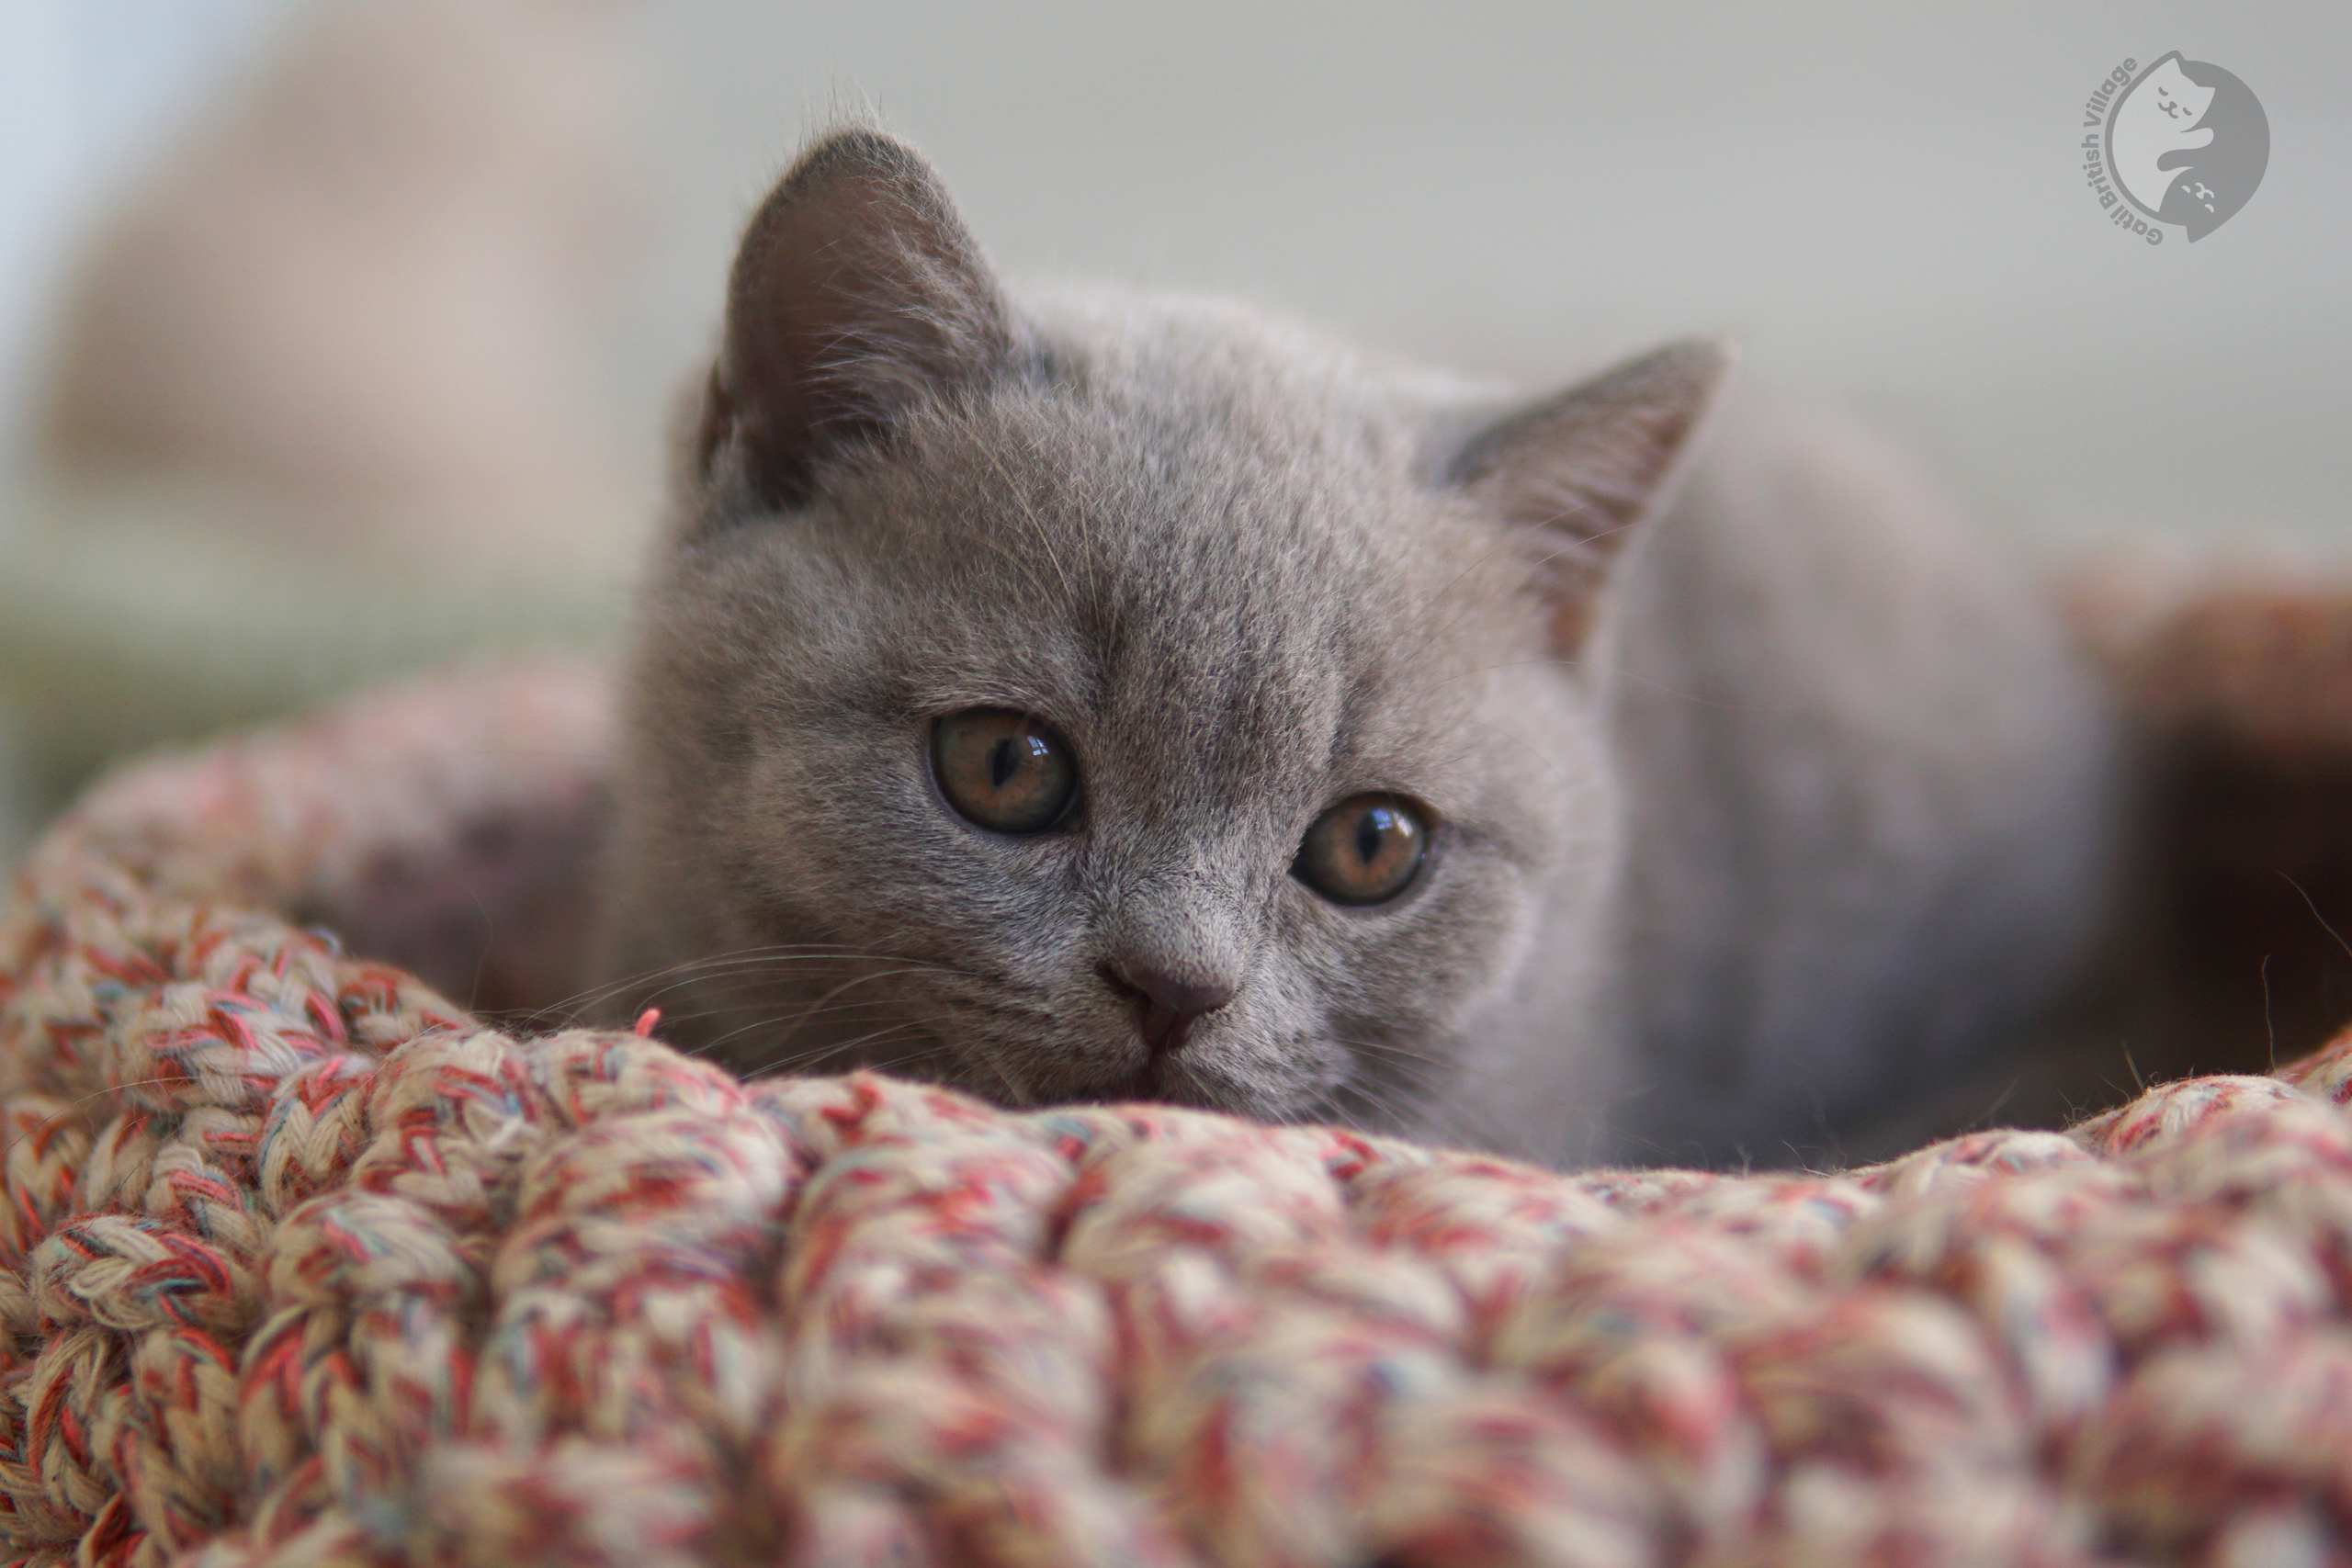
point(336, 336)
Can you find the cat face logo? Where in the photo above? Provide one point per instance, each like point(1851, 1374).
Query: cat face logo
point(2186, 143)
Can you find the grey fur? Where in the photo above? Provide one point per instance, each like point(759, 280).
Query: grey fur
point(1755, 812)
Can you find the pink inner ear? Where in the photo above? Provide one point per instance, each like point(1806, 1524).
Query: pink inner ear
point(1572, 622)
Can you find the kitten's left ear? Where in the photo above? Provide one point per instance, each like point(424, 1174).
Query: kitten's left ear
point(1585, 468)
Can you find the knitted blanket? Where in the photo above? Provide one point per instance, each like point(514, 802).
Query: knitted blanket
point(303, 1262)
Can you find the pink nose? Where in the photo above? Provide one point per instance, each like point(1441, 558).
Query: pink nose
point(1165, 1006)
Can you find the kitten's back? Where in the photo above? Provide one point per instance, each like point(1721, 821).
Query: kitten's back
point(1869, 795)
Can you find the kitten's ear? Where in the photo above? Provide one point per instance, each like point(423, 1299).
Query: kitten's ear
point(857, 295)
point(1584, 468)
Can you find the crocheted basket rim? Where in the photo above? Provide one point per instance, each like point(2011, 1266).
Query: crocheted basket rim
point(305, 1262)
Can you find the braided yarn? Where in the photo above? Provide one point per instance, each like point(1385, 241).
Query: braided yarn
point(300, 1263)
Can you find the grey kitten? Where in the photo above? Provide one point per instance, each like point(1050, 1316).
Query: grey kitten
point(1093, 696)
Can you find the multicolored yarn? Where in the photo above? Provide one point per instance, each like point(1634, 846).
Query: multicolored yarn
point(305, 1265)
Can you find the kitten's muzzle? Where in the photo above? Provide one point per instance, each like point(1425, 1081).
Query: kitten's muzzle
point(1165, 1005)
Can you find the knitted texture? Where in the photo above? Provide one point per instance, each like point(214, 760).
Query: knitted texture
point(301, 1263)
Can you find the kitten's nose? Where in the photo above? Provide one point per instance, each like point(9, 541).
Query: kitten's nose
point(1166, 1005)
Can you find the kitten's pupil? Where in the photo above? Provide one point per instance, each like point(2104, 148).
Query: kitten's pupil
point(1371, 828)
point(1002, 762)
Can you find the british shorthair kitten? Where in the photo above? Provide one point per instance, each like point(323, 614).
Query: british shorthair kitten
point(1087, 696)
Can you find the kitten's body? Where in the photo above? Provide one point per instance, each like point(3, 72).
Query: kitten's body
point(1868, 813)
point(1734, 833)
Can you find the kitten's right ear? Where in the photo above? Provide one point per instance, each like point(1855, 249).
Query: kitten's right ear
point(857, 295)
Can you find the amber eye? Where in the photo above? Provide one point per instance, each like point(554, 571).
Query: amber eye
point(1367, 849)
point(1003, 769)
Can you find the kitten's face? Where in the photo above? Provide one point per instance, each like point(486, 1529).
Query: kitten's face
point(1103, 700)
point(1229, 605)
